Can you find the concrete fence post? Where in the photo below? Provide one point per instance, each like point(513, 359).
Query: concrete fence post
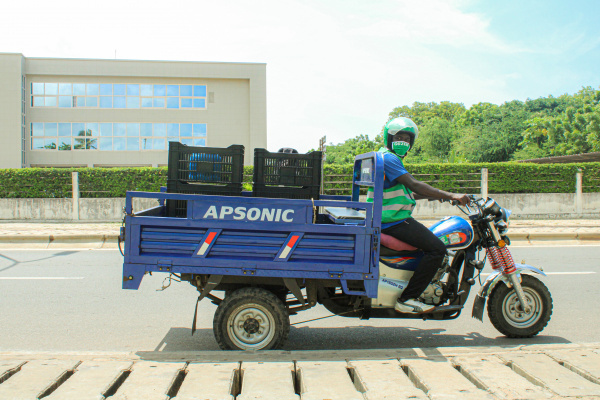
point(579, 192)
point(484, 182)
point(75, 183)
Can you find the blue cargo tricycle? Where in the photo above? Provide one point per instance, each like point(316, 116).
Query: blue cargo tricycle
point(261, 260)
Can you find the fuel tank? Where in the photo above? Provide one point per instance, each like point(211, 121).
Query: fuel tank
point(455, 232)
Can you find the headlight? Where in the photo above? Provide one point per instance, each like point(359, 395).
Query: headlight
point(502, 227)
point(505, 214)
point(491, 208)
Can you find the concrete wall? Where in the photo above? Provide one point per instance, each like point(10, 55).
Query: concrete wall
point(62, 209)
point(523, 206)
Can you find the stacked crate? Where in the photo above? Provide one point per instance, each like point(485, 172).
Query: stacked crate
point(287, 175)
point(203, 170)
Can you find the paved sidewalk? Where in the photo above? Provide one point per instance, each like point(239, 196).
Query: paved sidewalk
point(104, 235)
point(524, 372)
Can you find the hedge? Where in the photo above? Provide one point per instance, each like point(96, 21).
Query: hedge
point(93, 182)
point(114, 182)
point(502, 177)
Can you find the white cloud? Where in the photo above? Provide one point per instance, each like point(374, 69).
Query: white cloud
point(334, 68)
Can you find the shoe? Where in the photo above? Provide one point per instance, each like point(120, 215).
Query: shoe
point(413, 306)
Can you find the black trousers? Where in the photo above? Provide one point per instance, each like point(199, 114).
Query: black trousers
point(417, 235)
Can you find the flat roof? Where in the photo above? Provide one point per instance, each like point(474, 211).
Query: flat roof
point(132, 60)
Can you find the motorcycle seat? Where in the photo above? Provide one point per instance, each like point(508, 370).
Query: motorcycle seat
point(390, 246)
point(392, 243)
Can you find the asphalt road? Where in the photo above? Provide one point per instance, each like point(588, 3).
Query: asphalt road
point(73, 301)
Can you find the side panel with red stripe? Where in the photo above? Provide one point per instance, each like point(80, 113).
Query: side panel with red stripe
point(206, 243)
point(288, 246)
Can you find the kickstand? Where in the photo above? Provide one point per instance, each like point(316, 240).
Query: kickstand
point(213, 282)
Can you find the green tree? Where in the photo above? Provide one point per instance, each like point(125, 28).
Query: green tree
point(486, 132)
point(344, 153)
point(423, 113)
point(491, 133)
point(435, 143)
point(437, 129)
point(575, 129)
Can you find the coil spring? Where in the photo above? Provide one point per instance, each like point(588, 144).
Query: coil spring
point(500, 258)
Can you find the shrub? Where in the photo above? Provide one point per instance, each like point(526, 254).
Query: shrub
point(114, 182)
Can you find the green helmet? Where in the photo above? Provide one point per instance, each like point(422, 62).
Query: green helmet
point(401, 124)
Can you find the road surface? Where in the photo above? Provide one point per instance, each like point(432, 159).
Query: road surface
point(72, 301)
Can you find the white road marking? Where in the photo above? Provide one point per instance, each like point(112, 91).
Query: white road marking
point(570, 273)
point(60, 250)
point(562, 273)
point(523, 246)
point(40, 277)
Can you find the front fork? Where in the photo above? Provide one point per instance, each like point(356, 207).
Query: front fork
point(507, 271)
point(516, 283)
point(501, 259)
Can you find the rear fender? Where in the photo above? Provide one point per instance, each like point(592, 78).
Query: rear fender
point(493, 280)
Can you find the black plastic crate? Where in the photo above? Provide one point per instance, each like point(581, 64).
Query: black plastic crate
point(211, 165)
point(287, 175)
point(203, 170)
point(286, 192)
point(178, 208)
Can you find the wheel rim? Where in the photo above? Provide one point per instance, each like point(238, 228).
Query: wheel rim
point(251, 326)
point(514, 314)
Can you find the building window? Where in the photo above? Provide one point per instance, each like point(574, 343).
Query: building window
point(114, 136)
point(118, 95)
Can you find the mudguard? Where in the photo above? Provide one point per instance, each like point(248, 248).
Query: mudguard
point(492, 281)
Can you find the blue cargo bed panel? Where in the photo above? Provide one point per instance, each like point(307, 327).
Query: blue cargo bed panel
point(232, 243)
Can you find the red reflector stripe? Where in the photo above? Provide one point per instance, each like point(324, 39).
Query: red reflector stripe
point(292, 241)
point(210, 237)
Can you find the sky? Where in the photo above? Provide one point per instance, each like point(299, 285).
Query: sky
point(335, 68)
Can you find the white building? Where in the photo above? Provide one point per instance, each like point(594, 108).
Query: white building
point(107, 113)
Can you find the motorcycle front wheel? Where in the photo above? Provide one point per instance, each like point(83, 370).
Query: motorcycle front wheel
point(509, 318)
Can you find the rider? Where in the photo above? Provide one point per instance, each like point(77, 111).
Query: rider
point(399, 136)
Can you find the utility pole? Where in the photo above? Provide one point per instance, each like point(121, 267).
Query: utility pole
point(322, 149)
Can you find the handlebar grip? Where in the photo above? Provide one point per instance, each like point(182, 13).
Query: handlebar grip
point(453, 202)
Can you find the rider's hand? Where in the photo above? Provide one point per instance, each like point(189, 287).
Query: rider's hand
point(463, 199)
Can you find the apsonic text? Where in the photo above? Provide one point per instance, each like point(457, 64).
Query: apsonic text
point(253, 214)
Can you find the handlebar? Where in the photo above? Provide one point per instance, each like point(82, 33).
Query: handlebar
point(476, 205)
point(474, 201)
point(452, 202)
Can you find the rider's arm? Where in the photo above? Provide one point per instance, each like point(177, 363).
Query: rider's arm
point(425, 191)
point(417, 196)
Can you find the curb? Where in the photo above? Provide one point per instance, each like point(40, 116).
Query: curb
point(586, 238)
point(91, 241)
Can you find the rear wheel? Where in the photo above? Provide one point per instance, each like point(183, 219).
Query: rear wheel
point(509, 318)
point(251, 318)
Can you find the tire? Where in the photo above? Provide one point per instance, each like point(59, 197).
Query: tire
point(251, 318)
point(510, 320)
